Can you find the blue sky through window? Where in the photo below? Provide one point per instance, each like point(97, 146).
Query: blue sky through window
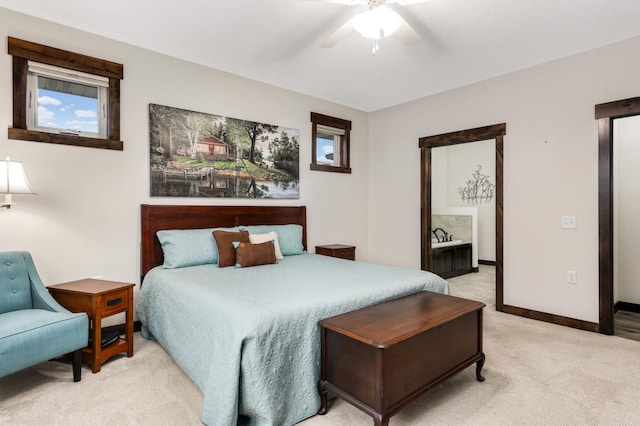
point(66, 111)
point(323, 148)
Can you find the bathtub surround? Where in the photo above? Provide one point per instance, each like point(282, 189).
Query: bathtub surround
point(462, 223)
point(451, 259)
point(458, 227)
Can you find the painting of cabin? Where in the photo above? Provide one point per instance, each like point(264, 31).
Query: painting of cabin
point(213, 148)
point(196, 154)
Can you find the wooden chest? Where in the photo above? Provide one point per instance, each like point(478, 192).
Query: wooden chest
point(383, 357)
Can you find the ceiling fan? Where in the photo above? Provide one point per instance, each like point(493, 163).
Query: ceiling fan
point(377, 22)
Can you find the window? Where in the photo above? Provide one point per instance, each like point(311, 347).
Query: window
point(330, 143)
point(66, 102)
point(328, 140)
point(63, 97)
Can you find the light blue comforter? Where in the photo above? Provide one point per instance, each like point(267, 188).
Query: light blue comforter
point(249, 338)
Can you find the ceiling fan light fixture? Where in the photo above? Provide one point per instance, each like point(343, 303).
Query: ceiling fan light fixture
point(377, 22)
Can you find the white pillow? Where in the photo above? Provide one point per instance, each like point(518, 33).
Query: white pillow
point(269, 236)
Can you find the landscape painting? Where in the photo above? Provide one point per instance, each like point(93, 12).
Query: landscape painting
point(194, 154)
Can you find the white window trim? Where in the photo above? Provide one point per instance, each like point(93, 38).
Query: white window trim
point(36, 69)
point(322, 132)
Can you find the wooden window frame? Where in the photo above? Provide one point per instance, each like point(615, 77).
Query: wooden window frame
point(24, 51)
point(337, 123)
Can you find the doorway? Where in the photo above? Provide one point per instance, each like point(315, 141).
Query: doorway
point(426, 144)
point(626, 233)
point(606, 114)
point(463, 207)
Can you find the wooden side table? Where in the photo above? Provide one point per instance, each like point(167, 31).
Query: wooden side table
point(99, 299)
point(337, 250)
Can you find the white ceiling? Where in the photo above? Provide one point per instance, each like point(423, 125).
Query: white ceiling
point(278, 41)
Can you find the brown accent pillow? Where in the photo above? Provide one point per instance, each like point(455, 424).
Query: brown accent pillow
point(224, 242)
point(255, 254)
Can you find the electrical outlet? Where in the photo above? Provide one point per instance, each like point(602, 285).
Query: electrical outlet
point(568, 222)
point(572, 277)
point(97, 277)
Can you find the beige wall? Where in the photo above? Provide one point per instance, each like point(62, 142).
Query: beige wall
point(85, 219)
point(550, 170)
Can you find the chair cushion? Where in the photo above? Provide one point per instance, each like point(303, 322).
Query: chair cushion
point(15, 285)
point(31, 336)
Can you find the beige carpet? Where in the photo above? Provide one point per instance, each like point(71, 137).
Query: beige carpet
point(536, 374)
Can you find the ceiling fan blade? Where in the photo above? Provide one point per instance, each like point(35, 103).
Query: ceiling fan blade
point(347, 2)
point(406, 34)
point(339, 34)
point(378, 2)
point(405, 2)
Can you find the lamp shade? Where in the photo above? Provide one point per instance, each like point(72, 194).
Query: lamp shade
point(13, 179)
point(377, 22)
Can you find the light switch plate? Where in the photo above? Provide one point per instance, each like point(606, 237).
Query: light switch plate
point(568, 222)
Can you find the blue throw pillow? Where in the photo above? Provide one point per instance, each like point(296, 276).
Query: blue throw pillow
point(189, 247)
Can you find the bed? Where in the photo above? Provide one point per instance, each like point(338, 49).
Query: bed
point(249, 337)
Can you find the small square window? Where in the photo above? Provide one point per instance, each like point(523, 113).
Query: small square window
point(328, 141)
point(63, 97)
point(66, 102)
point(330, 145)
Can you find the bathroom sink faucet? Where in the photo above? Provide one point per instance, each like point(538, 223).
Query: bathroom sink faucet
point(444, 237)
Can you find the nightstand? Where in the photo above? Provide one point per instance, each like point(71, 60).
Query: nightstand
point(337, 250)
point(99, 299)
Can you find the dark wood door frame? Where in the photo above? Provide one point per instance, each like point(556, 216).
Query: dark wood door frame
point(605, 114)
point(497, 132)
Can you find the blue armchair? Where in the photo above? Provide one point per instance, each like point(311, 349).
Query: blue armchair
point(33, 327)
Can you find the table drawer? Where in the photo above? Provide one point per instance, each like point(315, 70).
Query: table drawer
point(348, 253)
point(115, 302)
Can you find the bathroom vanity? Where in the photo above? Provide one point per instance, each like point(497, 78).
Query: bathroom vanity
point(451, 259)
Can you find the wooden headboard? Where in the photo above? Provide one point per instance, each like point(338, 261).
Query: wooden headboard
point(155, 218)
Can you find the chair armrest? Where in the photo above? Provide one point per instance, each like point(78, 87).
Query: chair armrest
point(40, 297)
